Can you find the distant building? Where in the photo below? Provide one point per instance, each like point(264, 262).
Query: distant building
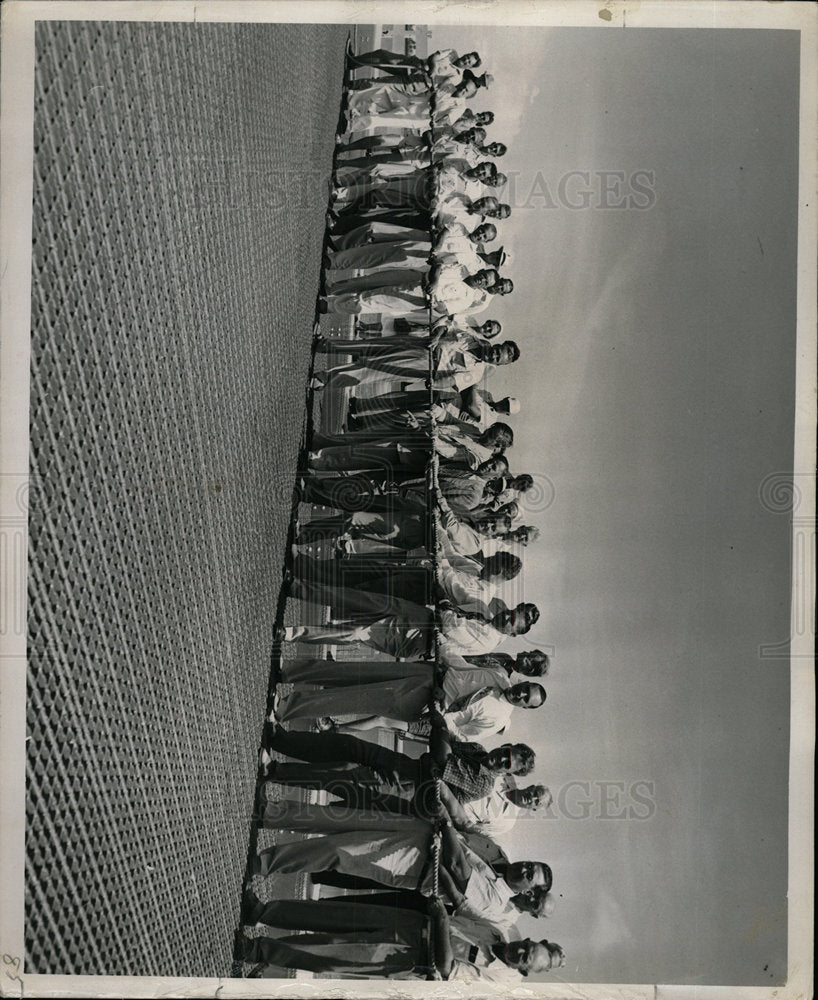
point(411, 39)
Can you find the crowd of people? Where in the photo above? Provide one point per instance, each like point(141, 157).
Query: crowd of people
point(416, 535)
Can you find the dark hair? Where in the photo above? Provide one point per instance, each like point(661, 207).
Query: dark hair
point(515, 350)
point(539, 662)
point(532, 615)
point(496, 432)
point(504, 564)
point(494, 458)
point(527, 758)
point(481, 523)
point(524, 482)
point(487, 205)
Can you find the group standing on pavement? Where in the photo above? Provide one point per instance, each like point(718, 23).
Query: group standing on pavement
point(416, 540)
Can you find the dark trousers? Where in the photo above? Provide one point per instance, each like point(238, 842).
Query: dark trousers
point(333, 578)
point(362, 492)
point(367, 940)
point(338, 749)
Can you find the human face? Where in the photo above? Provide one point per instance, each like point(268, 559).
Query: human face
point(507, 621)
point(524, 664)
point(531, 797)
point(528, 616)
point(505, 354)
point(493, 467)
point(490, 528)
point(524, 696)
point(529, 956)
point(500, 758)
point(524, 875)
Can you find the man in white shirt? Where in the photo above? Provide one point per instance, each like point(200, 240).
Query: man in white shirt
point(462, 360)
point(390, 941)
point(496, 814)
point(455, 240)
point(453, 290)
point(456, 537)
point(488, 710)
point(407, 634)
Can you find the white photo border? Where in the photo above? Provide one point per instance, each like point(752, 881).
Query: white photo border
point(16, 159)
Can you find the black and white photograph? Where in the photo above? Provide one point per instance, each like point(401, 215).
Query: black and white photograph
point(408, 499)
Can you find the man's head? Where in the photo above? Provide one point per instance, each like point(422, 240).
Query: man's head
point(484, 233)
point(532, 663)
point(498, 179)
point(511, 758)
point(502, 566)
point(498, 437)
point(511, 508)
point(503, 211)
point(486, 278)
point(497, 465)
point(487, 205)
point(531, 797)
point(502, 286)
point(495, 149)
point(485, 171)
point(471, 60)
point(523, 483)
point(484, 118)
point(517, 621)
point(502, 354)
point(491, 328)
point(537, 901)
point(505, 405)
point(528, 956)
point(524, 875)
point(526, 695)
point(524, 534)
point(493, 524)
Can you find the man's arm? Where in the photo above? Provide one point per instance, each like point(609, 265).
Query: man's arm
point(453, 856)
point(439, 745)
point(456, 811)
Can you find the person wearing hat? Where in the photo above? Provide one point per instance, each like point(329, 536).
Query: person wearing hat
point(463, 359)
point(455, 239)
point(459, 207)
point(451, 98)
point(454, 291)
point(478, 403)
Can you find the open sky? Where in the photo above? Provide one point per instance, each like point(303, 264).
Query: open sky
point(657, 384)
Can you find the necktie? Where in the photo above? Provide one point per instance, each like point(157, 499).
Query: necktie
point(469, 699)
